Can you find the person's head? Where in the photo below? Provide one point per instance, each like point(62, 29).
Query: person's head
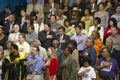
point(59, 12)
point(92, 1)
point(12, 18)
point(1, 54)
point(34, 1)
point(51, 52)
point(8, 9)
point(78, 30)
point(47, 27)
point(29, 20)
point(66, 2)
point(114, 31)
point(2, 30)
point(77, 1)
point(101, 6)
point(23, 12)
point(106, 53)
point(51, 1)
point(96, 21)
point(108, 43)
point(14, 48)
point(112, 22)
point(95, 34)
point(21, 38)
point(68, 51)
point(89, 42)
point(36, 42)
point(8, 44)
point(87, 11)
point(72, 44)
point(39, 19)
point(66, 22)
point(86, 61)
point(30, 29)
point(53, 18)
point(55, 43)
point(61, 30)
point(82, 24)
point(118, 8)
point(35, 50)
point(16, 28)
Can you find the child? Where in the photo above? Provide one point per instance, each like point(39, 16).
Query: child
point(87, 72)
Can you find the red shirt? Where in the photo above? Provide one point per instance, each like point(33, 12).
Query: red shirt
point(106, 34)
point(53, 67)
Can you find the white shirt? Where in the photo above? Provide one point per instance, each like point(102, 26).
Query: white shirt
point(88, 76)
point(101, 31)
point(13, 36)
point(38, 28)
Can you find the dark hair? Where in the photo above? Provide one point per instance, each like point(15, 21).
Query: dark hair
point(14, 46)
point(108, 50)
point(53, 15)
point(102, 3)
point(86, 59)
point(22, 34)
point(97, 33)
point(72, 42)
point(98, 19)
point(66, 20)
point(31, 26)
point(8, 7)
point(69, 49)
point(80, 27)
point(90, 38)
point(23, 9)
point(114, 22)
point(89, 10)
point(62, 28)
point(29, 18)
point(117, 5)
point(83, 24)
point(36, 48)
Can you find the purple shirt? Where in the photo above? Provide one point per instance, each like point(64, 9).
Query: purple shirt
point(108, 72)
point(80, 46)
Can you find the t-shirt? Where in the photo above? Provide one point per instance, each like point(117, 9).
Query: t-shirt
point(110, 71)
point(89, 75)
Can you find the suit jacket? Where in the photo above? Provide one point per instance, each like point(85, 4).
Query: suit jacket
point(23, 28)
point(47, 10)
point(46, 43)
point(66, 38)
point(7, 28)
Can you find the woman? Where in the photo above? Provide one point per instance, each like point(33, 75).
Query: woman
point(103, 15)
point(3, 38)
point(87, 18)
point(98, 44)
point(51, 65)
point(70, 31)
point(107, 67)
point(111, 23)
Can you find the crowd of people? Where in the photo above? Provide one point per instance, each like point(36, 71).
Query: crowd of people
point(61, 40)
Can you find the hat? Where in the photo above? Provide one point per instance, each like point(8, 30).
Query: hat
point(75, 9)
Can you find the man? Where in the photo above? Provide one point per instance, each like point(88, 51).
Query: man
point(90, 51)
point(69, 65)
point(35, 8)
point(14, 36)
point(13, 67)
point(1, 59)
point(23, 46)
point(31, 36)
point(62, 38)
point(54, 26)
point(117, 15)
point(35, 65)
point(50, 8)
point(9, 25)
point(46, 36)
point(80, 39)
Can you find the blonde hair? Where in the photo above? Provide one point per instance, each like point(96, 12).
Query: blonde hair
point(53, 52)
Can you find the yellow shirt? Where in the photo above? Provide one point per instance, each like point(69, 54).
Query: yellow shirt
point(70, 31)
point(25, 46)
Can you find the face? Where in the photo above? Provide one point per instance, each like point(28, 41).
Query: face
point(27, 21)
point(39, 20)
point(52, 19)
point(55, 44)
point(105, 53)
point(95, 22)
point(20, 39)
point(92, 1)
point(23, 13)
point(66, 23)
point(88, 42)
point(11, 18)
point(101, 7)
point(1, 55)
point(1, 31)
point(49, 52)
point(66, 2)
point(86, 12)
point(46, 28)
point(61, 32)
point(118, 10)
point(114, 31)
point(30, 30)
point(34, 1)
point(78, 31)
point(108, 42)
point(93, 35)
point(86, 64)
point(16, 28)
point(111, 23)
point(34, 51)
point(66, 52)
point(51, 1)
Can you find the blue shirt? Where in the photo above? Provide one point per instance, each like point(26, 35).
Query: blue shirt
point(80, 46)
point(37, 67)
